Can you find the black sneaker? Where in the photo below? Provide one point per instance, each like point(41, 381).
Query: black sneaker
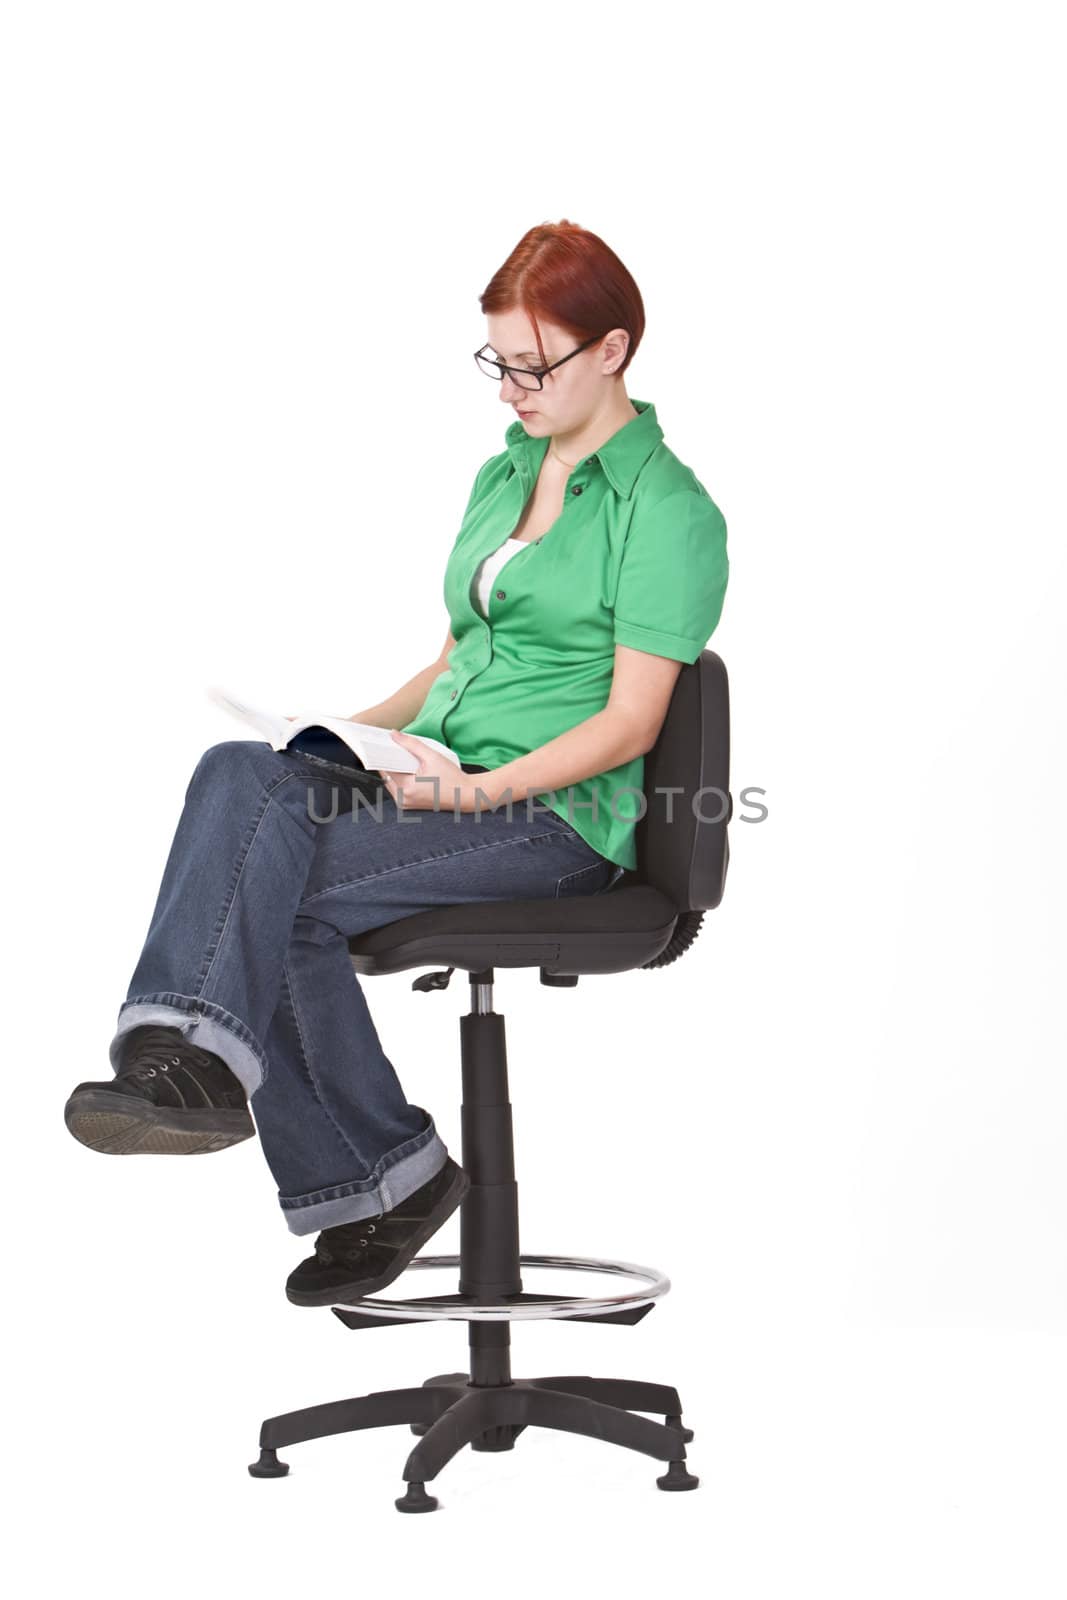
point(355, 1259)
point(168, 1097)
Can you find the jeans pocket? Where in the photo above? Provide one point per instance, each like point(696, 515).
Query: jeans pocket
point(587, 880)
point(554, 820)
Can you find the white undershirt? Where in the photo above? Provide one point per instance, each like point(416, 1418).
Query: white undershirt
point(482, 582)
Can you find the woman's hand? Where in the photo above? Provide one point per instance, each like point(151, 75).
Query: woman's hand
point(454, 790)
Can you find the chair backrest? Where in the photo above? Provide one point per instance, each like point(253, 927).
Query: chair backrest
point(682, 844)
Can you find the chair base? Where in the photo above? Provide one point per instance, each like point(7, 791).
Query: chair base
point(485, 1407)
point(449, 1412)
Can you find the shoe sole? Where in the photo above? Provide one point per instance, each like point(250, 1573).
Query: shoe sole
point(117, 1125)
point(347, 1293)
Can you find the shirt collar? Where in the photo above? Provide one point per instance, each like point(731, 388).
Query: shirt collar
point(622, 456)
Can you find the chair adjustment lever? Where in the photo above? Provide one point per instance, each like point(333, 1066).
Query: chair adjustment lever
point(433, 980)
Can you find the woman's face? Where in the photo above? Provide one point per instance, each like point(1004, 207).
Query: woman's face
point(571, 394)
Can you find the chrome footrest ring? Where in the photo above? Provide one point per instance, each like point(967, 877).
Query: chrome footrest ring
point(655, 1284)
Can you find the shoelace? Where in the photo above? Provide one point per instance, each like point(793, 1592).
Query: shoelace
point(157, 1050)
point(360, 1230)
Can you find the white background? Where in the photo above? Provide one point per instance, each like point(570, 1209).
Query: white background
point(245, 245)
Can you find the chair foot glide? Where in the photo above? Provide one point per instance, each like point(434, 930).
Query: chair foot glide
point(677, 1477)
point(416, 1499)
point(268, 1465)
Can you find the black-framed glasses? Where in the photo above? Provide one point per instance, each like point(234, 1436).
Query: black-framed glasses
point(525, 377)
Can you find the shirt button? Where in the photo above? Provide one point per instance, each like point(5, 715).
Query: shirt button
point(501, 595)
point(577, 489)
point(452, 696)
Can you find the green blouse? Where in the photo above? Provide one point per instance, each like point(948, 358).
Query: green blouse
point(637, 556)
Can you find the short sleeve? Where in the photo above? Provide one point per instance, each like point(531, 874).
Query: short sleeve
point(479, 484)
point(672, 581)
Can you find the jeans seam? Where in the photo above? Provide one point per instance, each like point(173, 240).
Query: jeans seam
point(406, 866)
point(349, 1147)
point(222, 921)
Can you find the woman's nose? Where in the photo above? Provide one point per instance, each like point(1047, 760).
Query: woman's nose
point(510, 391)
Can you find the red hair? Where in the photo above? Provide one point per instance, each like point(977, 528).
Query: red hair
point(569, 276)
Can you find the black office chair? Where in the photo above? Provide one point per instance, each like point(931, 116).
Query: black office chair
point(646, 919)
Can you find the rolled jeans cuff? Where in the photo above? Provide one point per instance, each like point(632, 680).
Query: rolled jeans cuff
point(386, 1187)
point(208, 1026)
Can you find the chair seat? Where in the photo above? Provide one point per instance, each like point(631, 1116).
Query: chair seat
point(610, 932)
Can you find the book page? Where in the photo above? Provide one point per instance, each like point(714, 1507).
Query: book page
point(275, 729)
point(375, 747)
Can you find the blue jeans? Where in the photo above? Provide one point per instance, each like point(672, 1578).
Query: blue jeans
point(278, 857)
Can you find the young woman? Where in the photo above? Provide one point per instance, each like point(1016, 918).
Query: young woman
point(590, 564)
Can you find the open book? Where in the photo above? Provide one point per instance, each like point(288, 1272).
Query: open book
point(375, 747)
